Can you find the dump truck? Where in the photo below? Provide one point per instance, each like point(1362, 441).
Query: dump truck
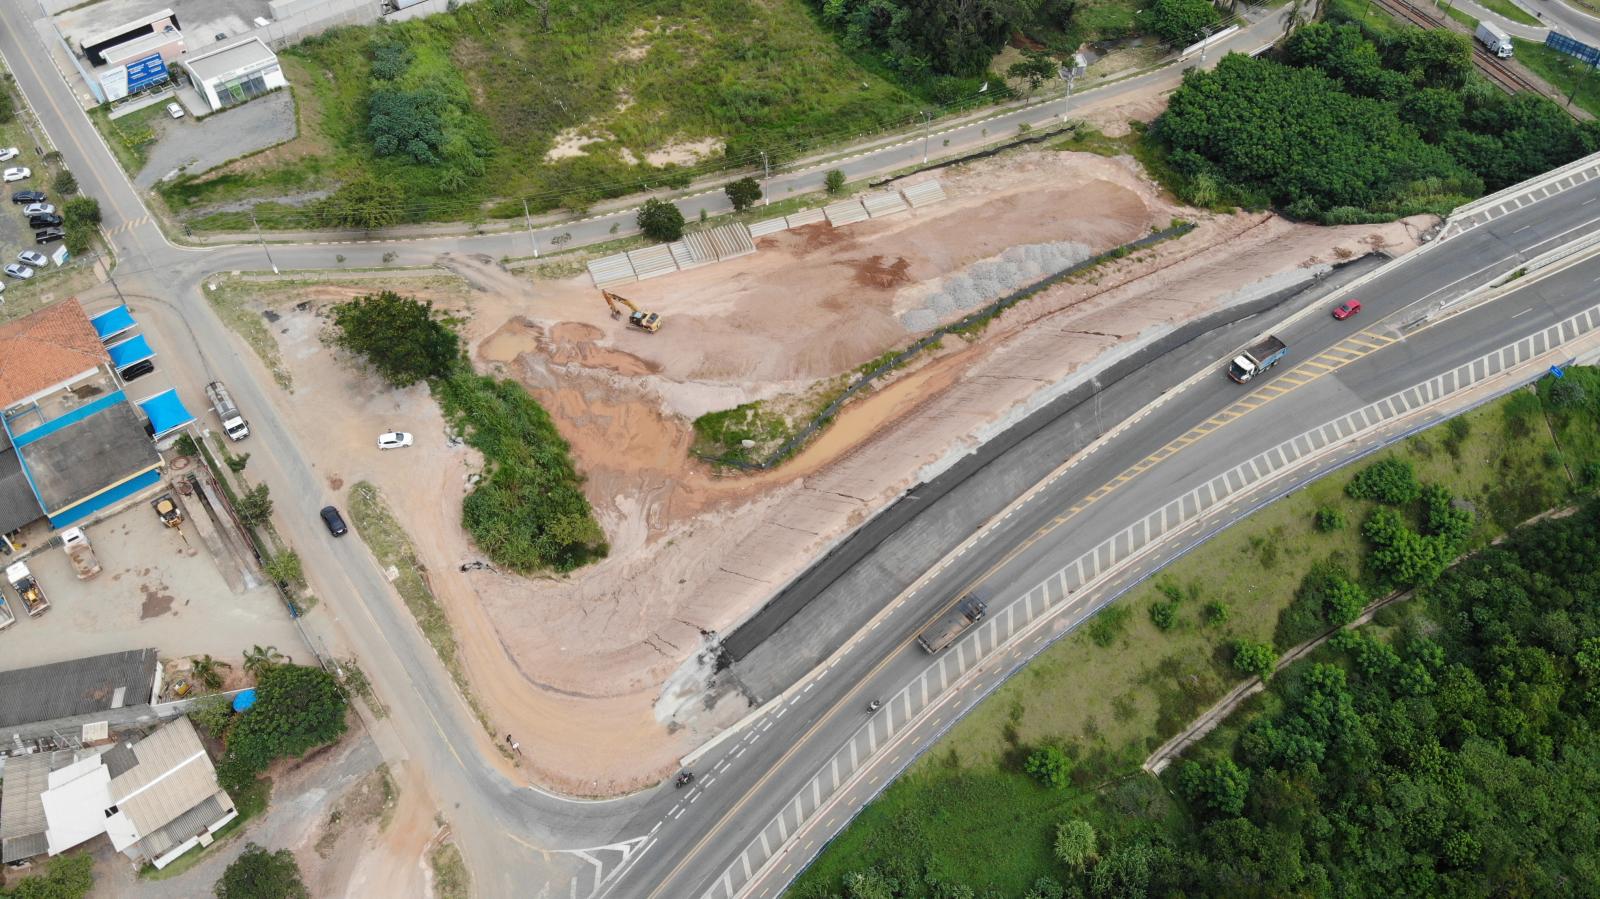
point(945, 631)
point(81, 552)
point(232, 422)
point(27, 587)
point(1257, 359)
point(1495, 40)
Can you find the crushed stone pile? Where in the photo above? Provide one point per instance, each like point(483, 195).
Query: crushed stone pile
point(984, 282)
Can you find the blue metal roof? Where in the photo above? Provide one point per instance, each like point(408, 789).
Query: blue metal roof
point(112, 322)
point(99, 501)
point(134, 349)
point(166, 412)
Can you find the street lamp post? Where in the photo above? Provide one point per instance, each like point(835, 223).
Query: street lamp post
point(263, 243)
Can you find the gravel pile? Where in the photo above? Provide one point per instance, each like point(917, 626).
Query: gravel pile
point(984, 282)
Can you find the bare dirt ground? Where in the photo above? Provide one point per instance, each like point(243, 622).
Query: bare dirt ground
point(575, 666)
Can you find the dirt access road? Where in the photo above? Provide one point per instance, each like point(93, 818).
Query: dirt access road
point(576, 665)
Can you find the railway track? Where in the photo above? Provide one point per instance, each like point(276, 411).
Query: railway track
point(1503, 76)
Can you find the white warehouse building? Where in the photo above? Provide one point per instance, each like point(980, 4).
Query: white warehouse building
point(235, 73)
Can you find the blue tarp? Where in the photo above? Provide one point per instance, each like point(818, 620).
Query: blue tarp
point(133, 485)
point(132, 350)
point(112, 322)
point(244, 700)
point(166, 412)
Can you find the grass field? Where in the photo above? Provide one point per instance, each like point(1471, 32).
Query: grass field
point(131, 136)
point(652, 91)
point(1112, 692)
point(1563, 72)
point(1510, 11)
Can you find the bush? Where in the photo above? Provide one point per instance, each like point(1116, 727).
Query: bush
point(1050, 766)
point(1455, 434)
point(1075, 844)
point(660, 220)
point(255, 506)
point(1216, 613)
point(1329, 518)
point(1254, 659)
point(1164, 615)
point(65, 183)
point(1391, 481)
point(285, 568)
point(82, 221)
point(297, 708)
point(212, 714)
point(259, 874)
point(1108, 624)
point(742, 194)
point(66, 877)
point(363, 203)
point(1221, 786)
point(834, 181)
point(1178, 22)
point(402, 338)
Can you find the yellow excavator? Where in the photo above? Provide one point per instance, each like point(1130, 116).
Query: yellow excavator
point(644, 321)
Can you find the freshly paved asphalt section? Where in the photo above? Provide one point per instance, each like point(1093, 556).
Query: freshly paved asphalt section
point(665, 842)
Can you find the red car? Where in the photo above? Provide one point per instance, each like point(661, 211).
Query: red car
point(1347, 309)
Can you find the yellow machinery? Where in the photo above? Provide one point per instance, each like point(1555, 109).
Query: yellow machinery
point(644, 321)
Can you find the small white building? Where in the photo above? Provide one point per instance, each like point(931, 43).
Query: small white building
point(233, 74)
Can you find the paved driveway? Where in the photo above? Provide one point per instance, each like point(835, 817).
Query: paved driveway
point(202, 144)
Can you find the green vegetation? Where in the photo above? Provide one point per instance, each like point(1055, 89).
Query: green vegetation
point(1510, 11)
point(231, 298)
point(67, 877)
point(131, 136)
point(743, 193)
point(1355, 126)
point(834, 181)
point(259, 874)
point(254, 506)
point(1178, 22)
point(450, 877)
point(660, 220)
point(82, 219)
point(1564, 73)
point(297, 708)
point(404, 340)
point(969, 813)
point(1253, 658)
point(469, 112)
point(249, 801)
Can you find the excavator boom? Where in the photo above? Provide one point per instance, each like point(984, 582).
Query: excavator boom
point(644, 321)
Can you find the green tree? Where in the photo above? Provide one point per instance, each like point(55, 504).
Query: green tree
point(363, 203)
point(66, 877)
point(404, 339)
point(212, 714)
point(1178, 22)
point(1400, 556)
point(1076, 844)
point(1035, 68)
point(660, 220)
point(208, 671)
point(297, 708)
point(285, 567)
point(1124, 872)
point(742, 194)
point(65, 183)
point(1392, 481)
point(84, 210)
point(1254, 659)
point(1050, 766)
point(259, 874)
point(255, 506)
point(1221, 786)
point(868, 884)
point(834, 181)
point(258, 660)
point(1343, 601)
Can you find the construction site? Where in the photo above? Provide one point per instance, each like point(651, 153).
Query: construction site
point(603, 673)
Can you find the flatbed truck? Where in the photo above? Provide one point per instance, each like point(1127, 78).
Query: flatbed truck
point(969, 611)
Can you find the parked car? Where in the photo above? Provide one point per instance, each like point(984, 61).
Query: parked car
point(17, 174)
point(29, 257)
point(137, 370)
point(19, 271)
point(37, 222)
point(175, 110)
point(24, 197)
point(393, 440)
point(39, 209)
point(1347, 309)
point(334, 521)
point(51, 236)
point(8, 154)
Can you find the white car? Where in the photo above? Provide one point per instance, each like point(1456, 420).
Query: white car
point(29, 257)
point(17, 174)
point(175, 110)
point(19, 271)
point(393, 440)
point(39, 209)
point(9, 153)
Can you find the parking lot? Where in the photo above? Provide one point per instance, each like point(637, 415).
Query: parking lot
point(155, 589)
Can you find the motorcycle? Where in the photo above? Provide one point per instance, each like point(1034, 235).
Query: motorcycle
point(684, 779)
point(874, 705)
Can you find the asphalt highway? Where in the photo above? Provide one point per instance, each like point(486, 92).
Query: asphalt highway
point(668, 842)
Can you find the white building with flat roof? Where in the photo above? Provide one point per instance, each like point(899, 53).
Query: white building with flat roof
point(238, 72)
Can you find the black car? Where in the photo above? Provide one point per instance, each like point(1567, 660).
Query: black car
point(26, 197)
point(43, 237)
point(334, 521)
point(137, 370)
point(44, 221)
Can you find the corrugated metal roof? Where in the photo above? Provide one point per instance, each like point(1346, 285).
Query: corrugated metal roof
point(847, 212)
point(923, 194)
point(22, 822)
point(805, 217)
point(173, 775)
point(769, 226)
point(78, 687)
point(190, 824)
point(652, 262)
point(610, 270)
point(884, 203)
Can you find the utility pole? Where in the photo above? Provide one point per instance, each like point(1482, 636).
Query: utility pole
point(766, 175)
point(263, 242)
point(927, 123)
point(528, 220)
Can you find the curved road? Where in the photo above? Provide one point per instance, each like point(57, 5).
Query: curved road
point(666, 842)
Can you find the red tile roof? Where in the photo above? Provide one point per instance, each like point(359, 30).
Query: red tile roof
point(46, 348)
